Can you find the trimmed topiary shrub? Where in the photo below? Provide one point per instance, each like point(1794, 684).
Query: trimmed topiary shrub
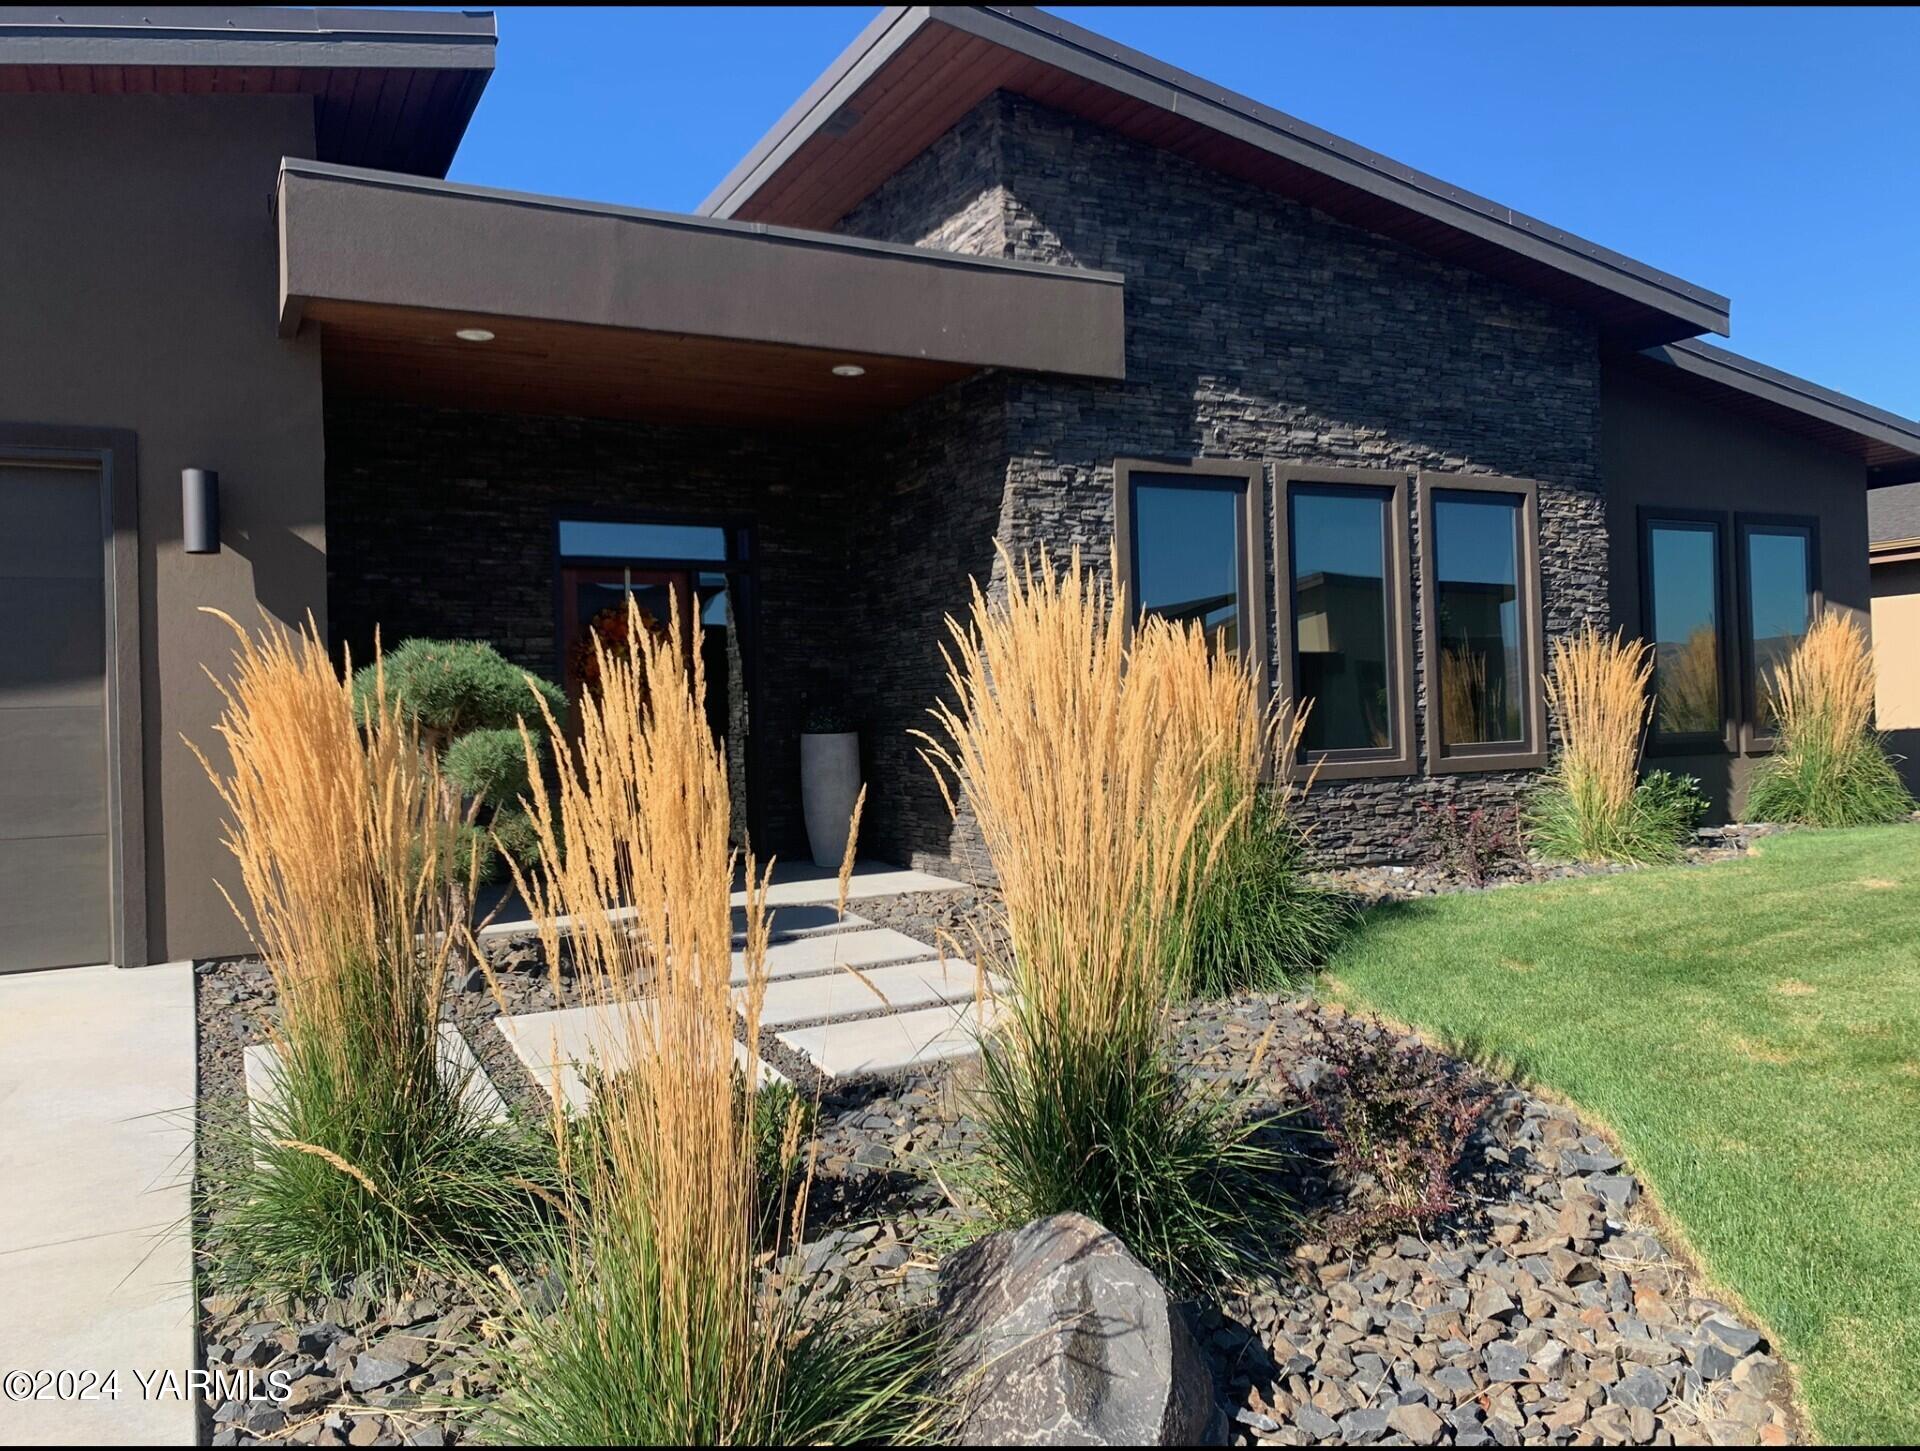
point(467, 700)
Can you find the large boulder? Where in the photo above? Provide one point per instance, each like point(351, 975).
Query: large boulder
point(1055, 1335)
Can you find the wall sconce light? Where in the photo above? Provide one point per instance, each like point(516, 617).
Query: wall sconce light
point(200, 511)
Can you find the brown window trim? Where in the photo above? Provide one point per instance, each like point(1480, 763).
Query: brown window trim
point(1754, 741)
point(1252, 475)
point(1692, 743)
point(1531, 754)
point(1399, 760)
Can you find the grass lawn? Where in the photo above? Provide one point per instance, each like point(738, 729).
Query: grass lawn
point(1751, 1032)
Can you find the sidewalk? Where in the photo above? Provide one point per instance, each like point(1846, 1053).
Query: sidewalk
point(96, 1089)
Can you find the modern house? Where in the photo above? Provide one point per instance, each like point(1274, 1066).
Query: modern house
point(1893, 523)
point(991, 277)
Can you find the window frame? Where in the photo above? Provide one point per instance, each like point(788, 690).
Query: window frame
point(1753, 740)
point(1251, 567)
point(1530, 754)
point(1354, 763)
point(1691, 743)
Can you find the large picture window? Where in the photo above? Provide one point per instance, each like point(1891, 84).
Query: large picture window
point(1341, 539)
point(1190, 547)
point(1480, 581)
point(1684, 617)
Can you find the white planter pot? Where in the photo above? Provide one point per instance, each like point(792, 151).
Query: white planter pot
point(829, 785)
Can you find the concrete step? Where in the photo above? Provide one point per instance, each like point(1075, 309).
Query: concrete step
point(840, 994)
point(555, 1046)
point(826, 951)
point(883, 1045)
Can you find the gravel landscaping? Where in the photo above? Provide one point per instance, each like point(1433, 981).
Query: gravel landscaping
point(1549, 1311)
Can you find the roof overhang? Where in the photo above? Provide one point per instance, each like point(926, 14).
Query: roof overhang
point(1894, 551)
point(616, 312)
point(1887, 444)
point(391, 88)
point(916, 70)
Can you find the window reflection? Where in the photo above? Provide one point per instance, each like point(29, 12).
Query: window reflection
point(1683, 577)
point(1478, 649)
point(1338, 536)
point(1779, 607)
point(1187, 553)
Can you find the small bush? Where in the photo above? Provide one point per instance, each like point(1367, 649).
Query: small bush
point(491, 764)
point(1258, 923)
point(1829, 767)
point(365, 1155)
point(1398, 1119)
point(1671, 803)
point(1474, 843)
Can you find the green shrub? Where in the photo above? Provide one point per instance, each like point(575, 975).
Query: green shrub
point(1655, 823)
point(452, 687)
point(492, 763)
point(1258, 924)
point(1855, 787)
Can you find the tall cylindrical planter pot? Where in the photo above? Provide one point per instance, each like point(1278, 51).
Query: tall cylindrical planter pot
point(829, 785)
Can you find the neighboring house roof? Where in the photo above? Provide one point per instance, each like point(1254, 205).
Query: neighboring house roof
point(1886, 443)
point(916, 70)
point(1893, 523)
point(621, 312)
point(392, 89)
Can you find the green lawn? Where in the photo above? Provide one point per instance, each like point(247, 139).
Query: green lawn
point(1751, 1032)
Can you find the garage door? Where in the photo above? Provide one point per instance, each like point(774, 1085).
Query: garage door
point(55, 882)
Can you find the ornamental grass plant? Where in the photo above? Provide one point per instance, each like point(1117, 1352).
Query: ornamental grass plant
point(665, 1334)
point(363, 1155)
point(1094, 777)
point(1253, 920)
point(1828, 767)
point(1591, 807)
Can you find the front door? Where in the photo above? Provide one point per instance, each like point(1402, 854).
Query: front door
point(593, 601)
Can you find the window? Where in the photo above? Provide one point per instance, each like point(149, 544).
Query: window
point(1480, 597)
point(1682, 613)
point(1190, 547)
point(1779, 599)
point(1341, 538)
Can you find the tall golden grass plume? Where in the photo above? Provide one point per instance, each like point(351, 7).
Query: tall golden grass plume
point(633, 885)
point(342, 834)
point(1826, 685)
point(1597, 689)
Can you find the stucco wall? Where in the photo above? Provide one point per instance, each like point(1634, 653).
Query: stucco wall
point(137, 287)
point(1260, 329)
point(1667, 449)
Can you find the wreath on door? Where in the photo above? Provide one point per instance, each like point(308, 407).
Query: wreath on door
point(608, 628)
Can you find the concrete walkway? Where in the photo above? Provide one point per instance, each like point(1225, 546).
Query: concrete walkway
point(96, 1095)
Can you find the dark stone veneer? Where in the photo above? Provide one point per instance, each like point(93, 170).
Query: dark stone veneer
point(1256, 329)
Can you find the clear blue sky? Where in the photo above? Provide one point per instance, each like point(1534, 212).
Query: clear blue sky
point(1771, 155)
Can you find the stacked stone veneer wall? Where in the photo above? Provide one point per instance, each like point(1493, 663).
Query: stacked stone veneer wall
point(441, 522)
point(1258, 329)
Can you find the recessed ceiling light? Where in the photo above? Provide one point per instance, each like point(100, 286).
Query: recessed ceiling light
point(848, 370)
point(474, 335)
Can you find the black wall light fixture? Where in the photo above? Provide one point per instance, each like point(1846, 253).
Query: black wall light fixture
point(200, 511)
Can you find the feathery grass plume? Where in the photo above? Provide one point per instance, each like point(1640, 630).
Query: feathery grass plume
point(847, 857)
point(1252, 919)
point(1829, 766)
point(364, 1154)
point(1590, 805)
point(665, 1335)
point(1092, 784)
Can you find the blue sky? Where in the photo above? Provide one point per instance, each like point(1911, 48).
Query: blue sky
point(1770, 155)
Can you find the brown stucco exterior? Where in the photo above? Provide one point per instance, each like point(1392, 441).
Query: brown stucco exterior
point(137, 296)
point(1663, 449)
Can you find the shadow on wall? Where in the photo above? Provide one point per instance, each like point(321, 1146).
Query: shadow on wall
point(1904, 747)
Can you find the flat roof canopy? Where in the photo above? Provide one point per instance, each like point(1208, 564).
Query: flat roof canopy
point(390, 88)
point(615, 312)
point(917, 69)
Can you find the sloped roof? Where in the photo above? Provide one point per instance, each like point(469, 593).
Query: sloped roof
point(918, 69)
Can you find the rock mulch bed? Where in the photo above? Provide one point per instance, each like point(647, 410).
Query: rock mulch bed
point(1549, 1313)
point(1430, 878)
